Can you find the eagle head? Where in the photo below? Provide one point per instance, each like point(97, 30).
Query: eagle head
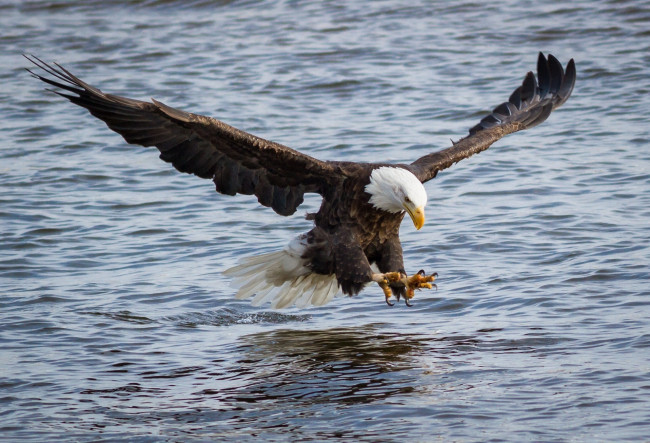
point(394, 190)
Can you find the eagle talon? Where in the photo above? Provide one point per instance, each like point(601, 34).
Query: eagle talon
point(418, 281)
point(393, 276)
point(384, 280)
point(387, 293)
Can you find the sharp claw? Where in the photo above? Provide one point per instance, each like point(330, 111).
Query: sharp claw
point(385, 287)
point(419, 280)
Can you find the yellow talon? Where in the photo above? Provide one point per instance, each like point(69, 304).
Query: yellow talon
point(388, 293)
point(392, 276)
point(417, 281)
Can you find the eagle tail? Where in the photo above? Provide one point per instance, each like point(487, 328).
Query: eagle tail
point(283, 278)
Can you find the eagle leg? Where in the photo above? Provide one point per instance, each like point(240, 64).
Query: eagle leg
point(384, 280)
point(419, 280)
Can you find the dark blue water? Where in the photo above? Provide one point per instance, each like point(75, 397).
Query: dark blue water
point(115, 320)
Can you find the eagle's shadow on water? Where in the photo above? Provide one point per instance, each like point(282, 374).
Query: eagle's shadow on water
point(344, 365)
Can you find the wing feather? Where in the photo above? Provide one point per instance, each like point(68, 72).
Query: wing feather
point(529, 105)
point(237, 162)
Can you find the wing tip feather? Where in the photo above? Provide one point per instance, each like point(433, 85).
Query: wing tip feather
point(529, 105)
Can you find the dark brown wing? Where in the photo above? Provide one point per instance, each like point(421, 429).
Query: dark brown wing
point(529, 105)
point(236, 161)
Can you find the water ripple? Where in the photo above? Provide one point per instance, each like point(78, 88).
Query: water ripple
point(115, 320)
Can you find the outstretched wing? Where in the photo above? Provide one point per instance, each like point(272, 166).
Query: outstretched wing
point(236, 161)
point(529, 105)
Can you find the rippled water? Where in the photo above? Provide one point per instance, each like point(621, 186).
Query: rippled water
point(116, 323)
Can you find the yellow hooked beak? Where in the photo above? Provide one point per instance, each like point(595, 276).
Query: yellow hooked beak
point(417, 215)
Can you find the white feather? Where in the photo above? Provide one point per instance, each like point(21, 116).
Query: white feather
point(389, 188)
point(282, 278)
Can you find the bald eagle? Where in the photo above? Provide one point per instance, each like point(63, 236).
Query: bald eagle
point(363, 204)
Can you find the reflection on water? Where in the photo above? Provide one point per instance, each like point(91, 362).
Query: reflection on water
point(350, 365)
point(340, 382)
point(282, 382)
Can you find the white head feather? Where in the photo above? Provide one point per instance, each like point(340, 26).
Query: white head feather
point(390, 188)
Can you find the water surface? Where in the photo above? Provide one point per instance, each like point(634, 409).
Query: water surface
point(115, 320)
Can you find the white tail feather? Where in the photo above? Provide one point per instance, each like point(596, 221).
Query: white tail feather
point(283, 279)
